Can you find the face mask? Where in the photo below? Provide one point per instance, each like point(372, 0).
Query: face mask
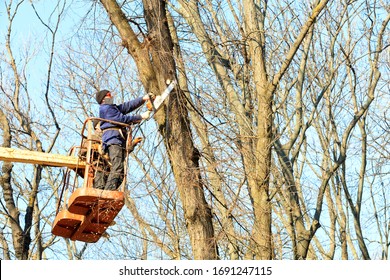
point(109, 100)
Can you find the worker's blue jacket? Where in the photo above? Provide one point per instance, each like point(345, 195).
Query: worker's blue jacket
point(117, 113)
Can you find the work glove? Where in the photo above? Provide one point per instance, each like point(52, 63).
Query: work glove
point(150, 96)
point(145, 115)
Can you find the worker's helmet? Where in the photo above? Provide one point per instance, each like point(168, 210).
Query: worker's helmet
point(100, 95)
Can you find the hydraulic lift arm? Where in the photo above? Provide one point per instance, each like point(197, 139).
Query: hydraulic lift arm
point(25, 156)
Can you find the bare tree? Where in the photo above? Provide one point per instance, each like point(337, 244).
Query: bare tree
point(256, 135)
point(23, 129)
point(334, 136)
point(273, 146)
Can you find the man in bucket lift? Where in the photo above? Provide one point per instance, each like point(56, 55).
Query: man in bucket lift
point(114, 141)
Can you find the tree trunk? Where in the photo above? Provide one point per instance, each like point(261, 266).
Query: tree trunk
point(155, 63)
point(5, 183)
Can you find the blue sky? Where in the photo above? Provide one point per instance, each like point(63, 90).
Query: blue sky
point(30, 37)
